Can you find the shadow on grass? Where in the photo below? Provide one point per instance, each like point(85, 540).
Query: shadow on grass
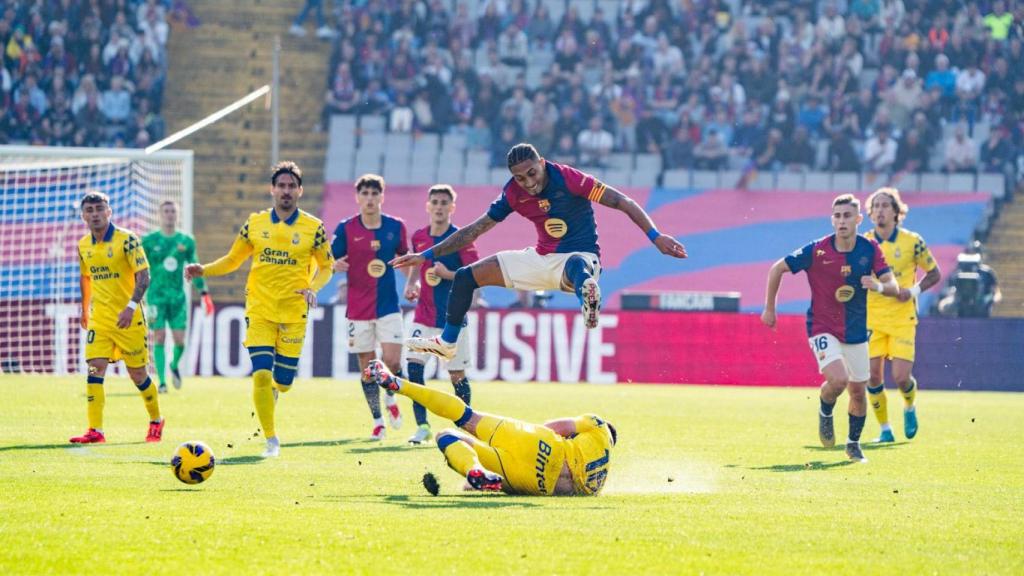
point(379, 448)
point(64, 445)
point(320, 443)
point(426, 502)
point(866, 446)
point(196, 489)
point(805, 467)
point(236, 460)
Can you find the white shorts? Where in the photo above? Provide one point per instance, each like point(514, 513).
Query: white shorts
point(364, 335)
point(461, 360)
point(527, 270)
point(827, 349)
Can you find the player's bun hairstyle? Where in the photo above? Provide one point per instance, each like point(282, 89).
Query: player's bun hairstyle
point(521, 152)
point(372, 181)
point(285, 167)
point(847, 199)
point(897, 203)
point(442, 189)
point(94, 197)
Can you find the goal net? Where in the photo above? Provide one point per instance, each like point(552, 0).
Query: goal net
point(40, 225)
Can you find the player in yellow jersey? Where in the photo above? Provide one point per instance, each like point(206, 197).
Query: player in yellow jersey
point(291, 261)
point(114, 277)
point(565, 457)
point(892, 322)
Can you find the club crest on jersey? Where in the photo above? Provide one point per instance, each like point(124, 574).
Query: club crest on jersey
point(181, 247)
point(266, 235)
point(110, 252)
point(376, 268)
point(556, 227)
point(897, 253)
point(296, 238)
point(374, 244)
point(544, 205)
point(431, 277)
point(820, 253)
point(845, 270)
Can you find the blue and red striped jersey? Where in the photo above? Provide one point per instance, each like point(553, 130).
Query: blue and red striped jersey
point(432, 307)
point(372, 292)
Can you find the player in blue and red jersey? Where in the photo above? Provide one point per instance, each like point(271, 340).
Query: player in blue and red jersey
point(557, 199)
point(431, 289)
point(362, 246)
point(841, 269)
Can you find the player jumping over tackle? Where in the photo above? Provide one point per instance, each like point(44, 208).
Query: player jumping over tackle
point(556, 199)
point(565, 457)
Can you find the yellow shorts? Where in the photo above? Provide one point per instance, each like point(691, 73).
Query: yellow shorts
point(286, 339)
point(516, 450)
point(128, 344)
point(893, 342)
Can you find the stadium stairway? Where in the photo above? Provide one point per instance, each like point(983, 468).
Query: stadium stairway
point(226, 57)
point(1005, 253)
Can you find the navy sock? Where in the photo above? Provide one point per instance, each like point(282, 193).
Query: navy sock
point(459, 300)
point(416, 375)
point(372, 393)
point(576, 271)
point(856, 426)
point(826, 409)
point(462, 390)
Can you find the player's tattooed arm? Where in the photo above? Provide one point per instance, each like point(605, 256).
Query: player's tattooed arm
point(668, 245)
point(464, 236)
point(124, 319)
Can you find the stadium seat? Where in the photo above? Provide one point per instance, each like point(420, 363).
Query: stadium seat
point(845, 182)
point(373, 141)
point(398, 142)
point(617, 178)
point(933, 182)
point(677, 178)
point(477, 174)
point(705, 179)
point(368, 160)
point(450, 171)
point(478, 158)
point(994, 184)
point(620, 161)
point(498, 176)
point(765, 180)
point(817, 181)
point(789, 180)
point(453, 143)
point(644, 178)
point(728, 178)
point(961, 182)
point(372, 123)
point(343, 128)
point(339, 170)
point(648, 163)
point(907, 182)
point(424, 173)
point(426, 141)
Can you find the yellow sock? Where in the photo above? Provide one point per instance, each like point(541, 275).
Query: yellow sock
point(461, 457)
point(97, 399)
point(439, 402)
point(879, 403)
point(149, 397)
point(910, 394)
point(263, 398)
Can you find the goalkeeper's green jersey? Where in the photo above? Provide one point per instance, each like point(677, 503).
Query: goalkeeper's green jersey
point(168, 256)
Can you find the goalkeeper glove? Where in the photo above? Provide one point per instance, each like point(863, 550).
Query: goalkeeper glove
point(208, 303)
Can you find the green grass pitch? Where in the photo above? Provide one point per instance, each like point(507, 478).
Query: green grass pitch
point(705, 479)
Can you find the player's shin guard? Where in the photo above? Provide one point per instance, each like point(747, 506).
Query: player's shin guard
point(856, 426)
point(372, 394)
point(576, 271)
point(459, 300)
point(460, 456)
point(97, 399)
point(149, 397)
point(441, 403)
point(879, 404)
point(160, 360)
point(416, 375)
point(179, 350)
point(263, 399)
point(910, 393)
point(463, 391)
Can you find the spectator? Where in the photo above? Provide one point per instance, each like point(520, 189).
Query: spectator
point(997, 158)
point(651, 133)
point(711, 153)
point(540, 30)
point(942, 77)
point(879, 151)
point(401, 117)
point(999, 21)
point(479, 136)
point(798, 154)
point(565, 151)
point(961, 152)
point(679, 153)
point(812, 115)
point(911, 154)
point(595, 143)
point(747, 136)
point(831, 25)
point(31, 95)
point(540, 123)
point(323, 31)
point(841, 155)
point(116, 101)
point(904, 98)
point(513, 47)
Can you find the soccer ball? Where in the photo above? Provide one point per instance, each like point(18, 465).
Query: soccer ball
point(192, 462)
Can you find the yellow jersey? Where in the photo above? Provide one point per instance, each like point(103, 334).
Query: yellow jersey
point(287, 256)
point(587, 454)
point(905, 252)
point(111, 264)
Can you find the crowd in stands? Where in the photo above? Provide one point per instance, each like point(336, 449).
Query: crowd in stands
point(83, 73)
point(883, 85)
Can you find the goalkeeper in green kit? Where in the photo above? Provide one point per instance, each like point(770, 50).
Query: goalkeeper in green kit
point(168, 251)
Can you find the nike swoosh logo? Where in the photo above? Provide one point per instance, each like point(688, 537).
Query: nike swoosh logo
point(358, 238)
point(827, 261)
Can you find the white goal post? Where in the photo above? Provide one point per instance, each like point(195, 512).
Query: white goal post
point(40, 225)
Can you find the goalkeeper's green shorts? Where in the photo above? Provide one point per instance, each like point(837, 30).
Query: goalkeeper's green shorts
point(173, 313)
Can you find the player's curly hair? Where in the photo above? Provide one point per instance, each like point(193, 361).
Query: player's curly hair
point(521, 152)
point(371, 181)
point(94, 197)
point(442, 189)
point(285, 167)
point(897, 203)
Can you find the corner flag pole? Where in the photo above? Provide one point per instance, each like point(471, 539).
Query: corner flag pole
point(208, 120)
